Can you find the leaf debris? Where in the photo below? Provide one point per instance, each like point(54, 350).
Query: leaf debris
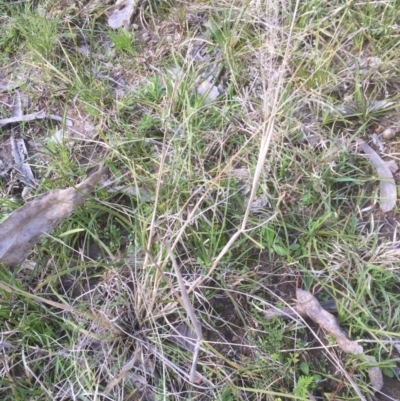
point(24, 227)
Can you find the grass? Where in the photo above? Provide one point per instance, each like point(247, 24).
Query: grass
point(257, 191)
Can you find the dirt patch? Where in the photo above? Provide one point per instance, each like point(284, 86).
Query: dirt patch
point(390, 390)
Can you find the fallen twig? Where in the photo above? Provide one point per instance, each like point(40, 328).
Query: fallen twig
point(34, 116)
point(309, 306)
point(288, 312)
point(18, 149)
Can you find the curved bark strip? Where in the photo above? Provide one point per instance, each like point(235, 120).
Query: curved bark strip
point(388, 186)
point(24, 227)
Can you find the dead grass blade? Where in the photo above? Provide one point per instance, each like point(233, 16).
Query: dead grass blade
point(189, 311)
point(18, 148)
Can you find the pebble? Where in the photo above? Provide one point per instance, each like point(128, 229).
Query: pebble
point(146, 37)
point(388, 133)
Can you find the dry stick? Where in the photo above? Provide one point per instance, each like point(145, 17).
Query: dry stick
point(333, 358)
point(339, 365)
point(34, 116)
point(290, 312)
point(189, 310)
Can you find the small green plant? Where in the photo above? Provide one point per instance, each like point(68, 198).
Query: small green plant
point(123, 41)
point(303, 386)
point(153, 91)
point(148, 126)
point(39, 33)
point(274, 242)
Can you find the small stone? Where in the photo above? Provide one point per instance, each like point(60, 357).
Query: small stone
point(88, 127)
point(388, 133)
point(146, 37)
point(84, 49)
